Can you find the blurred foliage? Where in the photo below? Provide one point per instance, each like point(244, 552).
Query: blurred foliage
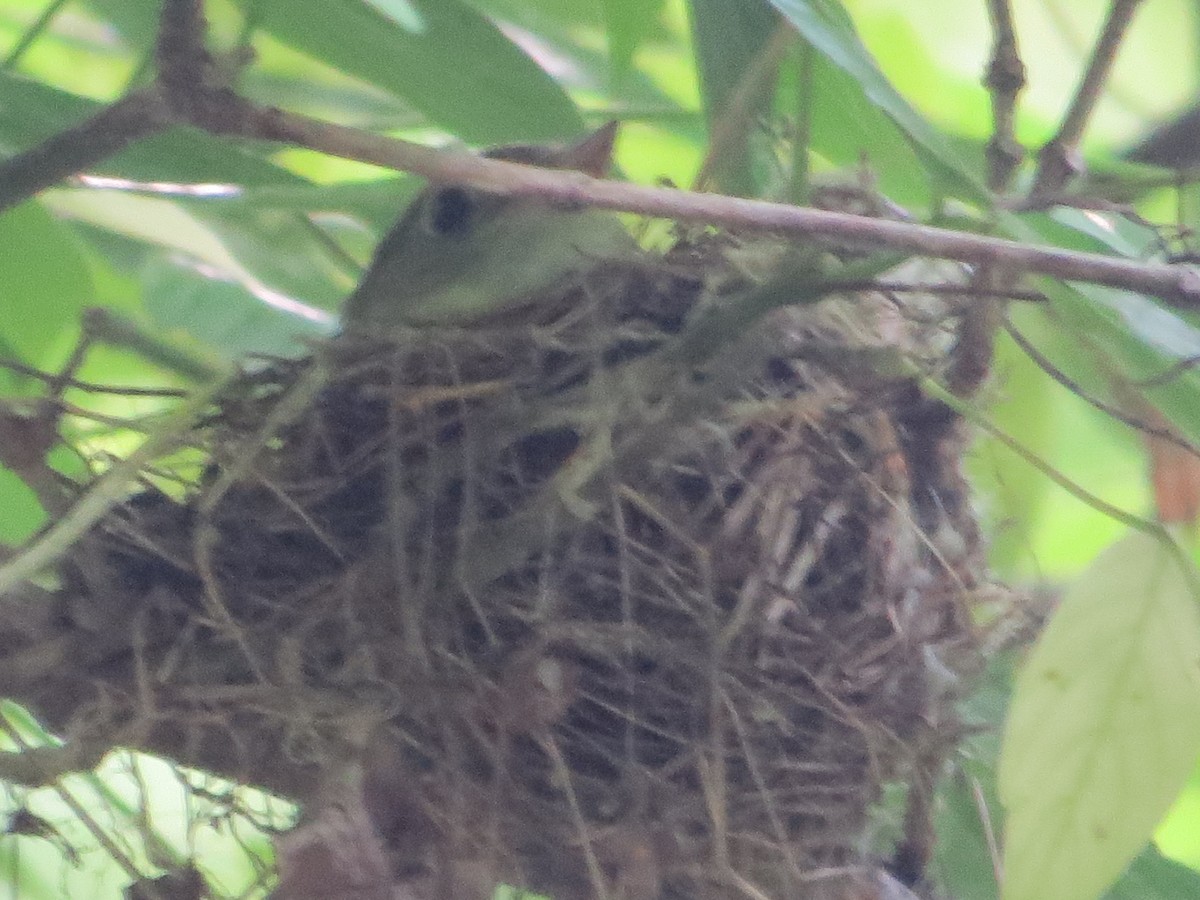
point(224, 248)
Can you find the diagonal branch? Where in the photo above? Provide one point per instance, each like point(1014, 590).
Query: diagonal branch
point(135, 116)
point(190, 92)
point(1058, 161)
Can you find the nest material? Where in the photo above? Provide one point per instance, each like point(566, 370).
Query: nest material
point(570, 609)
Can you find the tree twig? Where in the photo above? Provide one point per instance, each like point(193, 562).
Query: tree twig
point(1109, 409)
point(736, 117)
point(137, 115)
point(36, 30)
point(221, 111)
point(105, 493)
point(1058, 161)
point(1005, 79)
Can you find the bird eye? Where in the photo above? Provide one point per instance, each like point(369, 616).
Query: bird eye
point(450, 211)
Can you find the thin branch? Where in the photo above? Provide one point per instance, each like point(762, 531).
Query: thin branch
point(799, 183)
point(1174, 371)
point(221, 111)
point(974, 346)
point(36, 30)
point(1058, 161)
point(969, 412)
point(135, 116)
point(1005, 80)
point(1175, 284)
point(90, 387)
point(184, 64)
point(105, 326)
point(936, 288)
point(736, 118)
point(104, 494)
point(1115, 412)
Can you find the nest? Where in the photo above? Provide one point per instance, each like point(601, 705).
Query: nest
point(554, 600)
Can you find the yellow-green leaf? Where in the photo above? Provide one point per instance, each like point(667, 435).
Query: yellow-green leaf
point(1104, 726)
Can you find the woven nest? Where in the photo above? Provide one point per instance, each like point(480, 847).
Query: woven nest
point(551, 601)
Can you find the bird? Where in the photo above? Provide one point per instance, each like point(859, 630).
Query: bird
point(1174, 145)
point(457, 254)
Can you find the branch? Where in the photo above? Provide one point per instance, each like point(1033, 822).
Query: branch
point(733, 123)
point(1005, 80)
point(1058, 161)
point(135, 116)
point(204, 102)
point(1175, 284)
point(104, 493)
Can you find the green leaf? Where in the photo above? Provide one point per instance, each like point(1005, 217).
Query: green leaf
point(44, 284)
point(729, 35)
point(848, 128)
point(1017, 492)
point(241, 306)
point(1104, 726)
point(136, 20)
point(826, 25)
point(1154, 877)
point(1113, 336)
point(567, 30)
point(963, 863)
point(403, 12)
point(23, 514)
point(545, 15)
point(1141, 339)
point(222, 315)
point(282, 249)
point(1176, 834)
point(460, 70)
point(629, 22)
point(376, 203)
